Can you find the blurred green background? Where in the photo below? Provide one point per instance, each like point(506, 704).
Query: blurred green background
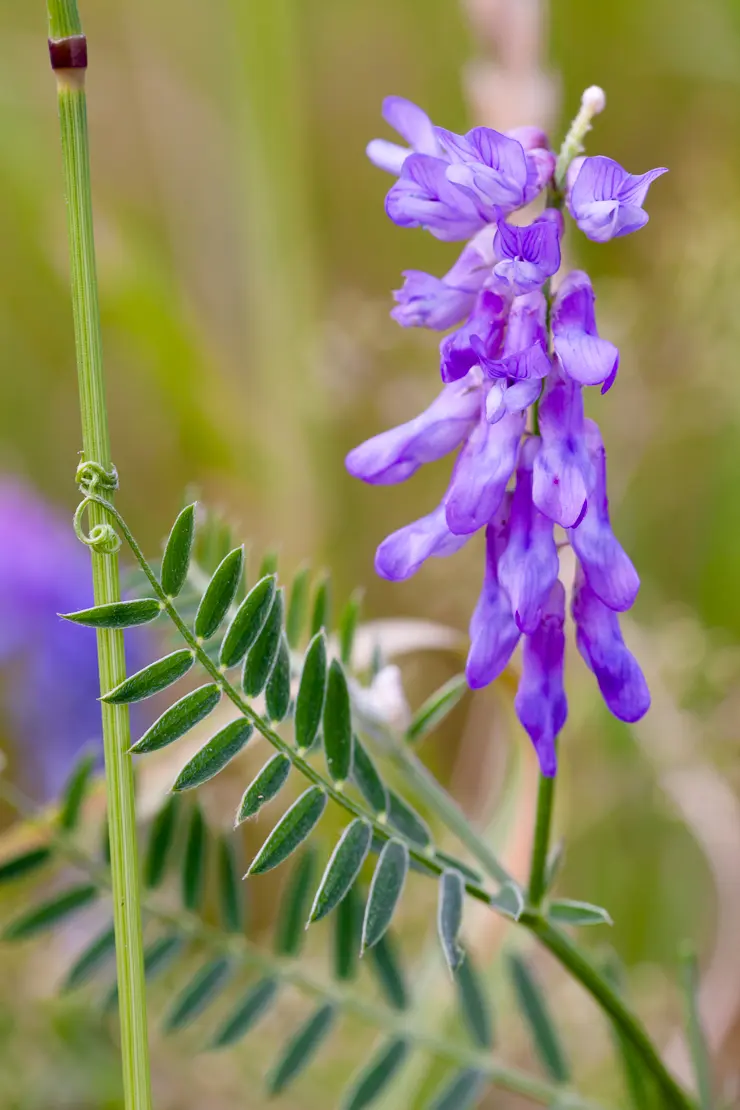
point(246, 265)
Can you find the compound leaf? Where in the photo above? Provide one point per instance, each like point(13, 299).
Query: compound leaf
point(293, 828)
point(310, 699)
point(385, 890)
point(215, 755)
point(263, 787)
point(176, 558)
point(179, 719)
point(248, 622)
point(337, 725)
point(150, 680)
point(342, 868)
point(117, 614)
point(219, 594)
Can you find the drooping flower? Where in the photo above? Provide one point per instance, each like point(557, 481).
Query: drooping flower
point(585, 357)
point(482, 333)
point(438, 303)
point(401, 554)
point(540, 701)
point(605, 200)
point(423, 197)
point(493, 630)
point(490, 165)
point(482, 472)
point(527, 256)
point(414, 125)
point(563, 473)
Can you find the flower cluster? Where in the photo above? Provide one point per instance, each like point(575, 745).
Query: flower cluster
point(515, 347)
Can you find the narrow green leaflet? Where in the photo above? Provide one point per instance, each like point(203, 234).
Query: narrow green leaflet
point(297, 607)
point(277, 693)
point(290, 930)
point(347, 935)
point(348, 619)
point(310, 699)
point(179, 719)
point(214, 755)
point(26, 863)
point(435, 708)
point(229, 888)
point(253, 1006)
point(96, 955)
point(220, 592)
point(202, 989)
point(407, 821)
point(291, 830)
point(264, 787)
point(385, 890)
point(321, 613)
point(376, 1076)
point(343, 868)
point(73, 797)
point(158, 676)
point(694, 1031)
point(387, 967)
point(194, 860)
point(533, 1007)
point(509, 901)
point(46, 915)
point(449, 916)
point(367, 779)
point(248, 622)
point(118, 614)
point(176, 558)
point(160, 842)
point(301, 1049)
point(474, 1007)
point(337, 725)
point(262, 655)
point(462, 1093)
point(564, 911)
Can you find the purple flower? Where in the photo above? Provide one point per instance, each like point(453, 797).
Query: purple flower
point(502, 397)
point(599, 640)
point(605, 200)
point(585, 357)
point(493, 630)
point(540, 702)
point(438, 303)
point(401, 554)
point(480, 334)
point(395, 455)
point(413, 125)
point(563, 472)
point(528, 566)
point(483, 468)
point(524, 352)
point(607, 568)
point(490, 165)
point(423, 197)
point(528, 255)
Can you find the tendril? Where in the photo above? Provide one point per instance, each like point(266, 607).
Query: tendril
point(95, 480)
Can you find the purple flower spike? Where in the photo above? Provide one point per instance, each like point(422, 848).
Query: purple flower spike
point(540, 702)
point(486, 324)
point(491, 165)
point(401, 554)
point(528, 255)
point(529, 565)
point(605, 200)
point(413, 125)
point(395, 455)
point(599, 640)
point(493, 631)
point(524, 353)
point(563, 473)
point(423, 197)
point(481, 473)
point(585, 357)
point(607, 567)
point(438, 303)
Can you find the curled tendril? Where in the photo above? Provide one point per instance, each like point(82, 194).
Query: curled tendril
point(93, 479)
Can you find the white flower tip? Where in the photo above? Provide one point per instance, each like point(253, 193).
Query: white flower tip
point(594, 100)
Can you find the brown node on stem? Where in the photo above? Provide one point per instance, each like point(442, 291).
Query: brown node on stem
point(68, 58)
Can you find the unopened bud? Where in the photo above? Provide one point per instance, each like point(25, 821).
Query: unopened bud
point(594, 100)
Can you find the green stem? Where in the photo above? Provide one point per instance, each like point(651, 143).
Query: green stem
point(64, 22)
point(541, 844)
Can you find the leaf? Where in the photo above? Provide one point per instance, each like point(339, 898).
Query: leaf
point(694, 1031)
point(348, 626)
point(290, 931)
point(387, 969)
point(458, 865)
point(90, 960)
point(347, 935)
point(193, 866)
point(436, 708)
point(277, 694)
point(474, 1007)
point(565, 911)
point(367, 779)
point(18, 866)
point(269, 563)
point(301, 1049)
point(449, 916)
point(75, 791)
point(248, 622)
point(321, 613)
point(293, 828)
point(215, 755)
point(229, 888)
point(385, 890)
point(198, 994)
point(337, 725)
point(343, 868)
point(219, 594)
point(47, 914)
point(407, 821)
point(264, 787)
point(310, 699)
point(462, 1092)
point(150, 680)
point(509, 901)
point(160, 842)
point(179, 719)
point(118, 614)
point(261, 658)
point(176, 558)
point(375, 1076)
point(297, 607)
point(247, 1013)
point(534, 1009)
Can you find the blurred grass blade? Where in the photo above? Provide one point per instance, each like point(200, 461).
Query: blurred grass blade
point(194, 861)
point(343, 868)
point(229, 888)
point(48, 914)
point(202, 989)
point(297, 607)
point(337, 725)
point(269, 563)
point(24, 864)
point(321, 612)
point(277, 694)
point(565, 911)
point(544, 1034)
point(694, 1031)
point(347, 935)
point(367, 779)
point(95, 955)
point(263, 787)
point(449, 916)
point(290, 930)
point(309, 704)
point(376, 1075)
point(348, 619)
point(300, 1049)
point(387, 967)
point(407, 821)
point(436, 708)
point(150, 680)
point(215, 755)
point(75, 791)
point(290, 832)
point(176, 558)
point(161, 837)
point(385, 891)
point(262, 655)
point(219, 594)
point(248, 622)
point(462, 1093)
point(117, 614)
point(247, 1013)
point(474, 1006)
point(179, 719)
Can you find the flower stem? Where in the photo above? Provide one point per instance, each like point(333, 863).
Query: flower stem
point(68, 52)
point(541, 843)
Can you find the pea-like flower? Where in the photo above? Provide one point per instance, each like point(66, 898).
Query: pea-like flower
point(528, 256)
point(414, 125)
point(605, 200)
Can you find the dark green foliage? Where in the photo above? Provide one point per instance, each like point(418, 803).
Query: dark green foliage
point(95, 956)
point(462, 1092)
point(367, 779)
point(26, 863)
point(337, 725)
point(301, 1049)
point(194, 861)
point(435, 708)
point(176, 558)
point(474, 1005)
point(449, 916)
point(343, 867)
point(47, 914)
point(219, 594)
point(321, 612)
point(264, 787)
point(202, 989)
point(248, 622)
point(290, 832)
point(179, 719)
point(290, 931)
point(215, 755)
point(158, 676)
point(253, 1006)
point(347, 935)
point(74, 792)
point(118, 614)
point(534, 1008)
point(229, 888)
point(348, 619)
point(310, 699)
point(262, 655)
point(297, 607)
point(160, 842)
point(277, 694)
point(407, 821)
point(387, 967)
point(376, 1075)
point(385, 890)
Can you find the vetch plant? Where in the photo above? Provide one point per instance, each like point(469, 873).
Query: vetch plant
point(268, 655)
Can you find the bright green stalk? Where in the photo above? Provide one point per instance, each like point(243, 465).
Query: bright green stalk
point(64, 21)
point(541, 844)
